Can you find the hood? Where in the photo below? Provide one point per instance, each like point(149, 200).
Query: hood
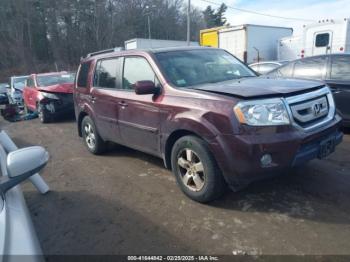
point(261, 87)
point(66, 88)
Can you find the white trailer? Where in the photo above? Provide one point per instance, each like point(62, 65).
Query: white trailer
point(288, 48)
point(144, 43)
point(252, 43)
point(324, 37)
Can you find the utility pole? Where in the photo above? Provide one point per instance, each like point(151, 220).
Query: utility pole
point(149, 26)
point(188, 22)
point(148, 20)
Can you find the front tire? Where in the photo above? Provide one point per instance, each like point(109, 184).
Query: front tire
point(92, 139)
point(196, 170)
point(43, 114)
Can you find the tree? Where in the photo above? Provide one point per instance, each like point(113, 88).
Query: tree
point(45, 35)
point(214, 18)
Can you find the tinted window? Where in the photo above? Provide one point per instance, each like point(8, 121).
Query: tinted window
point(312, 68)
point(340, 69)
point(322, 40)
point(193, 67)
point(83, 74)
point(106, 73)
point(137, 69)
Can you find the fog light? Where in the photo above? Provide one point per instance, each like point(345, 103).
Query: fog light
point(266, 160)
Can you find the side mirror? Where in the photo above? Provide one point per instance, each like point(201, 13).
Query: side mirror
point(8, 86)
point(145, 88)
point(23, 163)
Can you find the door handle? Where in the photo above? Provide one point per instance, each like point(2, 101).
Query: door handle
point(123, 104)
point(93, 99)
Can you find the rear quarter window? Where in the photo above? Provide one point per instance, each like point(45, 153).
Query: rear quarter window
point(83, 74)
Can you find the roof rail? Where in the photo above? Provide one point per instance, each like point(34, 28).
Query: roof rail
point(116, 49)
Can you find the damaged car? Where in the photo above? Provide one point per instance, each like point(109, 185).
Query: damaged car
point(50, 95)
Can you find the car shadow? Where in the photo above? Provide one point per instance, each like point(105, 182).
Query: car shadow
point(76, 223)
point(307, 192)
point(302, 193)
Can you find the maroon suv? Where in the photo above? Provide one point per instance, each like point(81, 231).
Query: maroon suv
point(205, 113)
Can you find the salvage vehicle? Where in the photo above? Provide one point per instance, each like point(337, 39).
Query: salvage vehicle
point(267, 66)
point(17, 234)
point(205, 113)
point(3, 94)
point(17, 84)
point(333, 69)
point(49, 94)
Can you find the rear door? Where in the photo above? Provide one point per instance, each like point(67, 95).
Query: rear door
point(104, 97)
point(139, 115)
point(338, 79)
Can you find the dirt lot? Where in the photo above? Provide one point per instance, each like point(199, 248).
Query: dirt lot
point(125, 202)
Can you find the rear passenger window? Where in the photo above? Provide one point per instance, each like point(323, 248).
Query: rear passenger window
point(322, 40)
point(137, 69)
point(106, 73)
point(312, 68)
point(340, 69)
point(83, 74)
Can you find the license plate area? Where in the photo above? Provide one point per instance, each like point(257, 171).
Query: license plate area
point(327, 147)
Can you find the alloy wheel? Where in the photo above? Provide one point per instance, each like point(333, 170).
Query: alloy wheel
point(89, 136)
point(191, 170)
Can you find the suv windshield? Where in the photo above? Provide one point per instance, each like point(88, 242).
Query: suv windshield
point(49, 80)
point(19, 82)
point(193, 67)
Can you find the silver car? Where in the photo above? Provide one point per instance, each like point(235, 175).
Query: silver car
point(267, 66)
point(17, 234)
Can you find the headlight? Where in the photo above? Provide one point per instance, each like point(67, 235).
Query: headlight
point(50, 95)
point(264, 112)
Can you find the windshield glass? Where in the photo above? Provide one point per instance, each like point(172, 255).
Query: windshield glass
point(49, 80)
point(19, 82)
point(200, 66)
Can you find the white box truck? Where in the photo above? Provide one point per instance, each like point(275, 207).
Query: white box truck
point(324, 37)
point(144, 43)
point(252, 43)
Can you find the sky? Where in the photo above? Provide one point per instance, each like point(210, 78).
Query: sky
point(303, 9)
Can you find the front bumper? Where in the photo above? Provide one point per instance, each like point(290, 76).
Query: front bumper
point(239, 156)
point(62, 106)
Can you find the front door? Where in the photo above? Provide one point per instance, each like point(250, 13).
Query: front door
point(104, 97)
point(139, 117)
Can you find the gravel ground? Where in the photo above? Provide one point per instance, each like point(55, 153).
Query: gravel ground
point(126, 202)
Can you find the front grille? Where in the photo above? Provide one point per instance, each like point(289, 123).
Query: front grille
point(312, 109)
point(307, 112)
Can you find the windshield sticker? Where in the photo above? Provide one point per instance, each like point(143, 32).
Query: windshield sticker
point(181, 82)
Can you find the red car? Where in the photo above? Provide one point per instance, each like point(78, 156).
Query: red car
point(49, 94)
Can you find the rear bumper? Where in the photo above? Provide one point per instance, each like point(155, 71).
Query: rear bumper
point(239, 156)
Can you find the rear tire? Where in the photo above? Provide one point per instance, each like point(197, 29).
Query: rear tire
point(92, 139)
point(196, 170)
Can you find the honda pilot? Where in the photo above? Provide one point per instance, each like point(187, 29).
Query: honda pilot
point(206, 114)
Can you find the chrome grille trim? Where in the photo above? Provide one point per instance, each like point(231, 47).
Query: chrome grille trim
point(310, 110)
point(311, 96)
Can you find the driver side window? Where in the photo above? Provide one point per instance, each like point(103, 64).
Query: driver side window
point(137, 69)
